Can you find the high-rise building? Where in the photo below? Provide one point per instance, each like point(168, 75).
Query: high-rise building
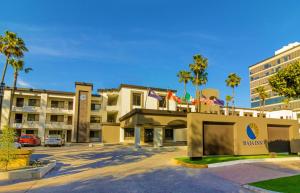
point(260, 73)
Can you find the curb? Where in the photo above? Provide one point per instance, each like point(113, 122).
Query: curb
point(245, 161)
point(197, 166)
point(256, 189)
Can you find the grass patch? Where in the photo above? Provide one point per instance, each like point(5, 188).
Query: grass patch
point(286, 184)
point(218, 159)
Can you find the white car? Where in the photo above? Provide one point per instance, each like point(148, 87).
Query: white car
point(54, 140)
point(17, 145)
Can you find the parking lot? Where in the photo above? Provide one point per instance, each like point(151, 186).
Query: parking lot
point(124, 169)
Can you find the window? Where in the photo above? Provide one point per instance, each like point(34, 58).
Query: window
point(20, 102)
point(162, 103)
point(70, 120)
point(18, 118)
point(278, 61)
point(70, 105)
point(94, 134)
point(286, 58)
point(57, 104)
point(95, 119)
point(57, 118)
point(33, 117)
point(129, 132)
point(169, 134)
point(136, 99)
point(95, 107)
point(33, 102)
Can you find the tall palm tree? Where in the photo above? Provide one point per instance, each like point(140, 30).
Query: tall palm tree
point(200, 75)
point(228, 99)
point(18, 65)
point(184, 77)
point(262, 94)
point(11, 46)
point(233, 81)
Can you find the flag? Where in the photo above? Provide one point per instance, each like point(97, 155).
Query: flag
point(152, 94)
point(187, 96)
point(170, 95)
point(218, 102)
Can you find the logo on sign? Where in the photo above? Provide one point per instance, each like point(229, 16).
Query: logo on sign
point(253, 133)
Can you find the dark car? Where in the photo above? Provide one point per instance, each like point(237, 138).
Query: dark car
point(30, 140)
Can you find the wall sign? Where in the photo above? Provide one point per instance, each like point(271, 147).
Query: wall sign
point(252, 132)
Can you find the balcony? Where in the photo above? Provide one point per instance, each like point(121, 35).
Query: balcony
point(26, 124)
point(95, 125)
point(58, 125)
point(59, 110)
point(112, 108)
point(28, 109)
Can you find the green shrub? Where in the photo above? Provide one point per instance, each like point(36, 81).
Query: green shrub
point(7, 146)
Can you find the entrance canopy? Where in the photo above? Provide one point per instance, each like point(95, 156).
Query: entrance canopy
point(154, 118)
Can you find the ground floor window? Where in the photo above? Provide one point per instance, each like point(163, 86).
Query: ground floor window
point(94, 134)
point(128, 133)
point(54, 132)
point(169, 134)
point(29, 131)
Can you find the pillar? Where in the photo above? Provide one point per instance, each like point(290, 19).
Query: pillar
point(158, 137)
point(137, 136)
point(121, 135)
point(42, 118)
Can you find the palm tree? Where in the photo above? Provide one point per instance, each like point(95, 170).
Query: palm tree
point(200, 75)
point(262, 94)
point(18, 65)
point(228, 99)
point(233, 81)
point(185, 77)
point(11, 46)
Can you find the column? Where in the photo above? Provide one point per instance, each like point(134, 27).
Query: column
point(137, 136)
point(158, 137)
point(121, 135)
point(42, 119)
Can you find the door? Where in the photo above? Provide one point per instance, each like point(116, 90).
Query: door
point(148, 135)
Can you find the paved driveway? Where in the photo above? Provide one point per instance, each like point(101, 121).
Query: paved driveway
point(122, 169)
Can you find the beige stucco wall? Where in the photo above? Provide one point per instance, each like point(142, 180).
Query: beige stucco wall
point(111, 134)
point(243, 145)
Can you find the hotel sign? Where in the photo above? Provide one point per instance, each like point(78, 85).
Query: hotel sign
point(252, 132)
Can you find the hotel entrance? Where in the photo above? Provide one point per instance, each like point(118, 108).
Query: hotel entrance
point(148, 137)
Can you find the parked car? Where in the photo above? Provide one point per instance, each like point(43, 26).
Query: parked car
point(54, 140)
point(17, 145)
point(30, 140)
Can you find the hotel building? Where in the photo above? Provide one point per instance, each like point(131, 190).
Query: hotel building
point(111, 116)
point(260, 72)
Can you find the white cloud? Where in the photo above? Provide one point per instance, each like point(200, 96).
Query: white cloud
point(23, 83)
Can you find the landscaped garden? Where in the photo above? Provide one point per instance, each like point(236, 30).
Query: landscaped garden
point(218, 159)
point(287, 184)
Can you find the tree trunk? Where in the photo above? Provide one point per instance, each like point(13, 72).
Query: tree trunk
point(187, 102)
point(12, 96)
point(263, 107)
point(233, 98)
point(4, 69)
point(227, 109)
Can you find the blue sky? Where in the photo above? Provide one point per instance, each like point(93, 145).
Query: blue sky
point(146, 42)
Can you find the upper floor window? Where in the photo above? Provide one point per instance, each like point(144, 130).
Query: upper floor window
point(136, 99)
point(95, 119)
point(70, 105)
point(20, 102)
point(57, 104)
point(33, 117)
point(34, 102)
point(162, 103)
point(57, 118)
point(278, 61)
point(18, 118)
point(70, 120)
point(95, 107)
point(286, 58)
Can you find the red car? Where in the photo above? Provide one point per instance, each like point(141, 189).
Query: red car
point(29, 139)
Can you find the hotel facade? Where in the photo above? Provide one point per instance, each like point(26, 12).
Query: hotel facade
point(124, 115)
point(260, 72)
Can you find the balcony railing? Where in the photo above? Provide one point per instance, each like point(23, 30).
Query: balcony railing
point(26, 109)
point(95, 125)
point(58, 125)
point(59, 110)
point(26, 124)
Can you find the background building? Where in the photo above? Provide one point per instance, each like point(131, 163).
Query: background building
point(260, 73)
